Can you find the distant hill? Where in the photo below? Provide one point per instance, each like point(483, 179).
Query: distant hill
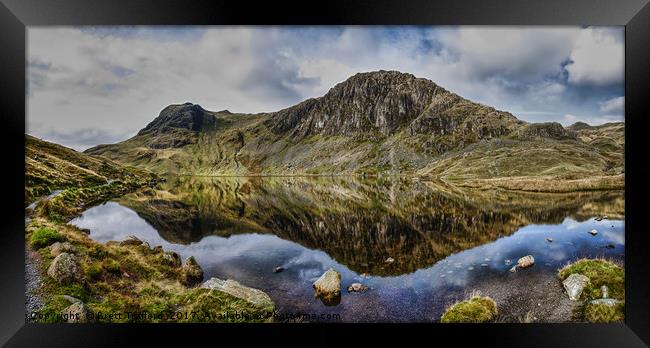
point(50, 167)
point(377, 122)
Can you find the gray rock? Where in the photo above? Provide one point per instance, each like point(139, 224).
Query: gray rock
point(390, 260)
point(328, 286)
point(76, 313)
point(254, 296)
point(574, 284)
point(65, 247)
point(604, 290)
point(131, 240)
point(610, 302)
point(71, 299)
point(278, 269)
point(192, 272)
point(593, 232)
point(65, 269)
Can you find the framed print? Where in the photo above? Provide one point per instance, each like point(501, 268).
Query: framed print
point(386, 170)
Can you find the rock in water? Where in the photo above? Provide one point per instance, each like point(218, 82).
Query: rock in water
point(328, 287)
point(513, 269)
point(76, 313)
point(65, 269)
point(526, 261)
point(278, 269)
point(192, 272)
point(550, 240)
point(57, 248)
point(254, 296)
point(593, 232)
point(131, 240)
point(357, 287)
point(574, 284)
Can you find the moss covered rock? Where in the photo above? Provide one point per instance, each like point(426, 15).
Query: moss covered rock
point(328, 287)
point(192, 272)
point(475, 310)
point(65, 269)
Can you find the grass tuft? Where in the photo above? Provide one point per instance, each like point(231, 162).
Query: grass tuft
point(43, 237)
point(477, 309)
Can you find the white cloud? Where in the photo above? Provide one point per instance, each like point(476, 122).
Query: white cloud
point(81, 82)
point(522, 54)
point(613, 106)
point(597, 57)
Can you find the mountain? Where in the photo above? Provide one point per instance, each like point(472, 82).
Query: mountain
point(376, 122)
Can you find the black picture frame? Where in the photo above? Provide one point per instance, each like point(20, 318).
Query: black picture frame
point(16, 15)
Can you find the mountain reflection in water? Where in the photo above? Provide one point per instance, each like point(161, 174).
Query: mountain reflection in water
point(443, 239)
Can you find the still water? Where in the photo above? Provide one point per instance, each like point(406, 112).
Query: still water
point(445, 241)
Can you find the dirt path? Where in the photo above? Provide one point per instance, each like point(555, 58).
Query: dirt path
point(33, 281)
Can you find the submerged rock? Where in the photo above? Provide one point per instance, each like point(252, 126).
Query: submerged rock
point(357, 287)
point(65, 269)
point(76, 313)
point(254, 296)
point(57, 248)
point(192, 272)
point(526, 261)
point(328, 287)
point(574, 284)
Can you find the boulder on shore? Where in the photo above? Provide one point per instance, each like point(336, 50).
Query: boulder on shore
point(65, 269)
point(172, 258)
point(574, 284)
point(254, 296)
point(131, 240)
point(57, 248)
point(76, 313)
point(328, 287)
point(192, 272)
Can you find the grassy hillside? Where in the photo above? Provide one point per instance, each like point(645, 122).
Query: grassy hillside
point(82, 179)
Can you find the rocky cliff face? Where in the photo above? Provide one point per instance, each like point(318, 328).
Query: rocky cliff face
point(187, 116)
point(387, 102)
point(176, 126)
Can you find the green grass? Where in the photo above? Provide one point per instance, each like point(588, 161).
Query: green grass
point(601, 313)
point(600, 272)
point(43, 237)
point(477, 309)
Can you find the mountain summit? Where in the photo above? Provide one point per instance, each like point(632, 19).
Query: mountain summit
point(373, 122)
point(388, 102)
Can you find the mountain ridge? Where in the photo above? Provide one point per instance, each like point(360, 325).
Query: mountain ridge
point(374, 122)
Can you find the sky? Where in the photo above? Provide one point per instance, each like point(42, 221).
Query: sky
point(96, 85)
